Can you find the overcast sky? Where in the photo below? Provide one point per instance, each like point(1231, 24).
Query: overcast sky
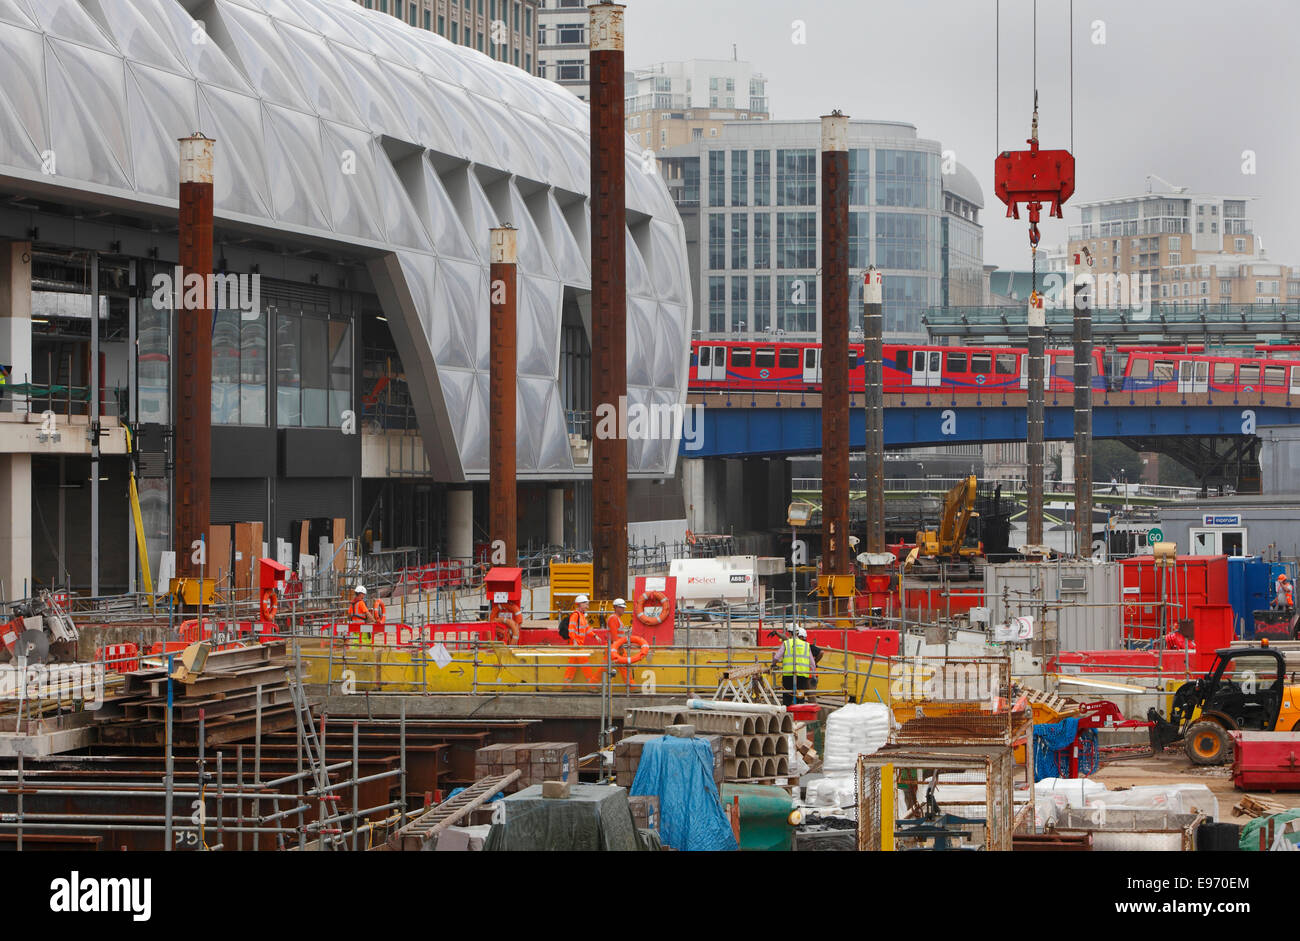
point(1178, 89)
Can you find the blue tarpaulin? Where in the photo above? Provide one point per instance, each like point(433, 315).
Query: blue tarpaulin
point(679, 771)
point(1051, 749)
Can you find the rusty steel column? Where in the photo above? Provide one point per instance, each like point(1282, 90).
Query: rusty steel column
point(836, 553)
point(608, 301)
point(193, 418)
point(873, 366)
point(1034, 450)
point(1082, 304)
point(502, 493)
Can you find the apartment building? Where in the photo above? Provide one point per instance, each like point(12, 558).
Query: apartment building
point(506, 30)
point(670, 104)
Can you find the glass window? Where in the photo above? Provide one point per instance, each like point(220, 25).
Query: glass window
point(789, 357)
point(1063, 367)
point(315, 374)
point(765, 357)
point(1249, 375)
point(340, 336)
point(796, 240)
point(1006, 364)
point(741, 356)
point(717, 178)
point(762, 302)
point(1140, 369)
point(717, 304)
point(153, 362)
point(288, 372)
point(252, 367)
point(981, 363)
point(905, 178)
point(717, 240)
point(739, 304)
point(1274, 375)
point(859, 176)
point(901, 241)
point(796, 303)
point(762, 178)
point(762, 240)
point(1223, 374)
point(956, 362)
point(1164, 370)
point(739, 177)
point(902, 361)
point(796, 177)
point(739, 241)
point(859, 240)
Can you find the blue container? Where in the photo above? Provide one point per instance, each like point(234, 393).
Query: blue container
point(1250, 581)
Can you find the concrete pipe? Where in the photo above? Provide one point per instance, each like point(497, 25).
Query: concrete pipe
point(782, 765)
point(769, 744)
point(769, 768)
point(751, 724)
point(787, 723)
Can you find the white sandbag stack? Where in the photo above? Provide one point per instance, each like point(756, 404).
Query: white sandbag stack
point(852, 730)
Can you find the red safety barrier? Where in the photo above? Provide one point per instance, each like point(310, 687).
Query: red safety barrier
point(119, 658)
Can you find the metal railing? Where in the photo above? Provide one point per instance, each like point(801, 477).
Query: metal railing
point(1009, 485)
point(27, 398)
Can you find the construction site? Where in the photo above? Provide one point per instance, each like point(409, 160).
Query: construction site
point(885, 668)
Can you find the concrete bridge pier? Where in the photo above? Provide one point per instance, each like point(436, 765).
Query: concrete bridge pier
point(725, 495)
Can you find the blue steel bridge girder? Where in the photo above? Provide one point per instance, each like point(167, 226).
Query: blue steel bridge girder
point(739, 430)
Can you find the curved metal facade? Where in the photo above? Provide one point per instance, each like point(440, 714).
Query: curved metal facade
point(344, 127)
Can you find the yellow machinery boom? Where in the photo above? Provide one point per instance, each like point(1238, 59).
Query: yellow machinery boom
point(947, 543)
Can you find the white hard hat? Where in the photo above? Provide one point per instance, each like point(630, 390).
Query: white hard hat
point(360, 589)
point(581, 599)
point(800, 633)
point(620, 603)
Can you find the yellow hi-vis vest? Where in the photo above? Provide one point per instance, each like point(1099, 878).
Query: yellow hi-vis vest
point(796, 657)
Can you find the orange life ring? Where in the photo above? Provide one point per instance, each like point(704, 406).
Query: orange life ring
point(511, 615)
point(643, 648)
point(270, 604)
point(651, 599)
point(379, 611)
point(690, 538)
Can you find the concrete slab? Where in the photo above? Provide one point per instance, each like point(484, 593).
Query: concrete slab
point(46, 743)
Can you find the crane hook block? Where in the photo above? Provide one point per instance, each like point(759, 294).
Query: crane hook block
point(1034, 177)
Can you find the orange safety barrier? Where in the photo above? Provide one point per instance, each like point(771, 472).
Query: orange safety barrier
point(119, 658)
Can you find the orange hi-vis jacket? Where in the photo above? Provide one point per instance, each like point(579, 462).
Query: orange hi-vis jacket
point(359, 611)
point(579, 629)
point(614, 624)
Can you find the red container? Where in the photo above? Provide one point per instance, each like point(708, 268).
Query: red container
point(1194, 581)
point(804, 711)
point(1266, 761)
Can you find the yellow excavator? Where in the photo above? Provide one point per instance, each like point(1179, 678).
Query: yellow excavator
point(946, 549)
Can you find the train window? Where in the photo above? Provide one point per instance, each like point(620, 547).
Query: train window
point(788, 358)
point(1063, 367)
point(1006, 364)
point(981, 362)
point(1249, 375)
point(810, 357)
point(766, 358)
point(1274, 375)
point(1223, 374)
point(902, 359)
point(1140, 369)
point(1164, 370)
point(704, 355)
point(740, 357)
point(956, 362)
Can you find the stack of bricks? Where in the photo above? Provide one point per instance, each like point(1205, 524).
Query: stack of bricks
point(645, 812)
point(627, 756)
point(539, 762)
point(747, 746)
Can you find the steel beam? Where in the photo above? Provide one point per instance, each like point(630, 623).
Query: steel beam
point(1034, 450)
point(1082, 303)
point(608, 301)
point(503, 366)
point(873, 353)
point(837, 558)
point(193, 418)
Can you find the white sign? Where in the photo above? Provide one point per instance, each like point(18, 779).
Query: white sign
point(656, 584)
point(440, 655)
point(500, 597)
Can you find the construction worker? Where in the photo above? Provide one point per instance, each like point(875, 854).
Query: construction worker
point(797, 661)
point(580, 635)
point(1285, 598)
point(361, 615)
point(614, 623)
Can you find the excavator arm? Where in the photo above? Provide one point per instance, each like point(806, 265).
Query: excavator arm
point(957, 507)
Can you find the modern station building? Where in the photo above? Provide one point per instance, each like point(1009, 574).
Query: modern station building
point(359, 166)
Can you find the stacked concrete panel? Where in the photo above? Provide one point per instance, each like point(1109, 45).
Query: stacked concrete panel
point(747, 746)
